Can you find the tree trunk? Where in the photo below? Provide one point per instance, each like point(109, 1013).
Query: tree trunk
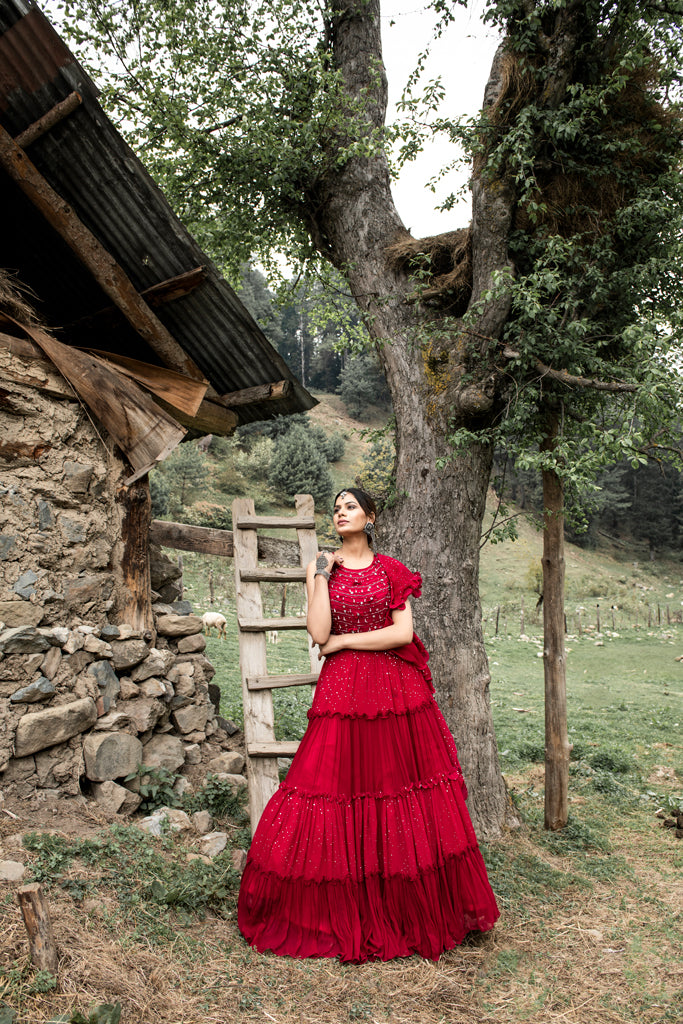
point(435, 525)
point(554, 661)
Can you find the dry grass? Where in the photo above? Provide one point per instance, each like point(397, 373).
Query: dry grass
point(568, 948)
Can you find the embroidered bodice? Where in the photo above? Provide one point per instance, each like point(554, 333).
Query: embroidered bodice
point(359, 598)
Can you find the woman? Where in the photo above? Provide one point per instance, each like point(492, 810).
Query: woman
point(366, 851)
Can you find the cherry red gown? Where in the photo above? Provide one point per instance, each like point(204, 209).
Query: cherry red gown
point(366, 851)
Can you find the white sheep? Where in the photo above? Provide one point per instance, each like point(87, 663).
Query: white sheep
point(214, 620)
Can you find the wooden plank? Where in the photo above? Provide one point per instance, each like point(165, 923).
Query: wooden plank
point(156, 295)
point(210, 541)
point(308, 547)
point(178, 391)
point(275, 522)
point(274, 574)
point(263, 625)
point(276, 682)
point(279, 748)
point(49, 120)
point(143, 431)
point(92, 254)
point(262, 775)
point(210, 418)
point(257, 394)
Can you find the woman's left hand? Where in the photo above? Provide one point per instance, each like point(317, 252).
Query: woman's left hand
point(331, 646)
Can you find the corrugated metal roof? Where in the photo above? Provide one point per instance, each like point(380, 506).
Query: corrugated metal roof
point(87, 162)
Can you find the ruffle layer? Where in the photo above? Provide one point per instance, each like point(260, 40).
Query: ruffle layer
point(368, 684)
point(373, 919)
point(308, 837)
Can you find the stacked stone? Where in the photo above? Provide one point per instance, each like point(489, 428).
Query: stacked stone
point(96, 702)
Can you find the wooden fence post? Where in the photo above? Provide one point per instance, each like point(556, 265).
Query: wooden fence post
point(36, 914)
point(497, 618)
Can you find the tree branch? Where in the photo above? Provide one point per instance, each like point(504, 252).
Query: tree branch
point(571, 380)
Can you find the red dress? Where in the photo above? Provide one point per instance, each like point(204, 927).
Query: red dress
point(366, 851)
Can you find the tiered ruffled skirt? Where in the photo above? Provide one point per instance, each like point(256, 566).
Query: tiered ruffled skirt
point(367, 850)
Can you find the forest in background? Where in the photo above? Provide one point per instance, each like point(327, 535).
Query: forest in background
point(633, 506)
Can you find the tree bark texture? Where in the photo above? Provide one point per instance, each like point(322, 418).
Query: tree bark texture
point(557, 747)
point(435, 525)
point(134, 572)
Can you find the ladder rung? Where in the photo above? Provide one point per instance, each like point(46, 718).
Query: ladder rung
point(277, 748)
point(263, 625)
point(272, 682)
point(274, 574)
point(275, 522)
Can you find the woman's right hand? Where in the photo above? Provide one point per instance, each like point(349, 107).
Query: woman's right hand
point(333, 558)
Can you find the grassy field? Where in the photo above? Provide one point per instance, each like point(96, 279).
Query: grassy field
point(592, 916)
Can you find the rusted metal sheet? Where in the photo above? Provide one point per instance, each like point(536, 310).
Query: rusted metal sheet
point(85, 160)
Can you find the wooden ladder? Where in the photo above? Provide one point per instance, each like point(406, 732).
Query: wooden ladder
point(262, 748)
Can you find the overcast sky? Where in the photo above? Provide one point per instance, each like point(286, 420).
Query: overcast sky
point(462, 58)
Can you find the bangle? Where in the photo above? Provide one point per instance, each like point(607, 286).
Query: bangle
point(322, 572)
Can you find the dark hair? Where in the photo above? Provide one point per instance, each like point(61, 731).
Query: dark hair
point(361, 496)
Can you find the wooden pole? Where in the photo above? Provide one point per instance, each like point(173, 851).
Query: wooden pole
point(557, 747)
point(497, 618)
point(136, 606)
point(597, 617)
point(521, 616)
point(36, 915)
point(212, 596)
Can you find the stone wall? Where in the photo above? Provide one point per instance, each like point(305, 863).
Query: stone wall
point(83, 696)
point(102, 701)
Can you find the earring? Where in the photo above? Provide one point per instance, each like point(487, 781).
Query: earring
point(369, 529)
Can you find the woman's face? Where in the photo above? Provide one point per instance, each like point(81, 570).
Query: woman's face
point(348, 516)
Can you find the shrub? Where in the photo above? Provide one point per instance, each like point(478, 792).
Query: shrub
point(299, 467)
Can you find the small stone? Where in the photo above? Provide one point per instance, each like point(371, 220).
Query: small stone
point(80, 591)
point(20, 613)
point(112, 722)
point(111, 755)
point(51, 662)
point(144, 712)
point(202, 821)
point(198, 856)
point(73, 530)
point(74, 642)
point(96, 646)
point(172, 817)
point(24, 585)
point(41, 729)
point(128, 653)
point(157, 663)
point(22, 640)
point(164, 751)
point(11, 871)
point(106, 679)
point(181, 786)
point(7, 545)
point(227, 725)
point(152, 688)
point(128, 688)
point(238, 860)
point(114, 798)
point(77, 476)
point(192, 644)
point(178, 625)
point(194, 737)
point(46, 517)
point(213, 844)
point(230, 761)
point(109, 632)
point(39, 689)
point(193, 753)
point(192, 718)
point(236, 782)
point(184, 686)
